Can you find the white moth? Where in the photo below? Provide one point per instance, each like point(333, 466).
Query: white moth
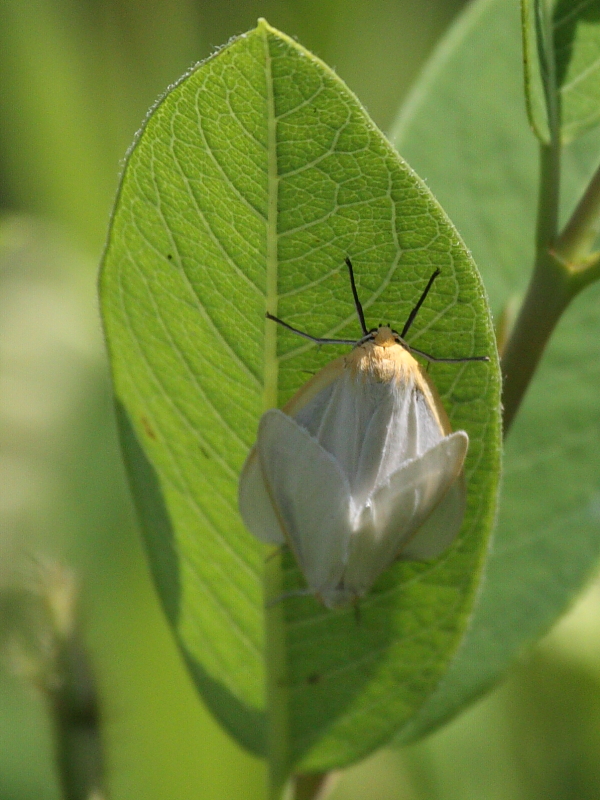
point(360, 467)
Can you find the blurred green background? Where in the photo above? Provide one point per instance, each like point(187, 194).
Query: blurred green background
point(77, 77)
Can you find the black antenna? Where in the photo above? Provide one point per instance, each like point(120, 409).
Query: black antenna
point(411, 319)
point(435, 360)
point(318, 340)
point(314, 339)
point(415, 311)
point(370, 335)
point(358, 306)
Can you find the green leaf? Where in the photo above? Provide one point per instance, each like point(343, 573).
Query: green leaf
point(251, 181)
point(465, 128)
point(541, 91)
point(561, 43)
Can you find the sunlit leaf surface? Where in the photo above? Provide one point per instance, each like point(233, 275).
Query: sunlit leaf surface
point(250, 183)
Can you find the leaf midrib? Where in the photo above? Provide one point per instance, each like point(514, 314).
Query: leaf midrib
point(277, 694)
point(270, 390)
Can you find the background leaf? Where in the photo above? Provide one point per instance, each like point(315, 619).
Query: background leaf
point(562, 68)
point(538, 66)
point(480, 159)
point(251, 181)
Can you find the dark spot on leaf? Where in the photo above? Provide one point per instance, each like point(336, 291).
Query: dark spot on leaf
point(148, 428)
point(275, 552)
point(313, 678)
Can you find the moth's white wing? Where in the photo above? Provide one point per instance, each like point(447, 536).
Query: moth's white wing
point(427, 478)
point(372, 426)
point(440, 528)
point(254, 500)
point(311, 496)
point(398, 508)
point(255, 504)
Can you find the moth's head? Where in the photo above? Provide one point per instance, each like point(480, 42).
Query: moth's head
point(384, 336)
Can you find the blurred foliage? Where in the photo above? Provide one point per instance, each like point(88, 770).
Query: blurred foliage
point(77, 79)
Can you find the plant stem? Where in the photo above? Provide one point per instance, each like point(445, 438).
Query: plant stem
point(313, 785)
point(580, 233)
point(75, 715)
point(61, 671)
point(562, 268)
point(547, 295)
point(548, 198)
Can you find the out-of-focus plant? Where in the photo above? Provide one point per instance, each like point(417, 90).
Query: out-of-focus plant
point(42, 633)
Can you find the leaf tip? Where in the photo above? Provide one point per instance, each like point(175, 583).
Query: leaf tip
point(262, 24)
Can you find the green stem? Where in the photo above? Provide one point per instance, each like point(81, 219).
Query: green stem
point(579, 235)
point(563, 267)
point(547, 221)
point(75, 715)
point(314, 785)
point(586, 271)
point(547, 296)
point(563, 264)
